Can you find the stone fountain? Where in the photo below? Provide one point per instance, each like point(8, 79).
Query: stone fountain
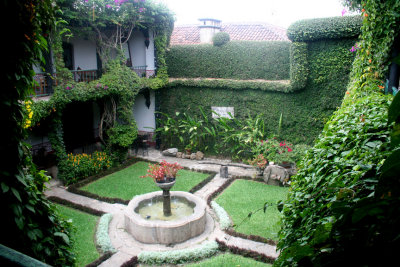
point(167, 218)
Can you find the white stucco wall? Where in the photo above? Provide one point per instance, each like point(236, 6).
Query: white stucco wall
point(138, 53)
point(84, 54)
point(144, 116)
point(150, 53)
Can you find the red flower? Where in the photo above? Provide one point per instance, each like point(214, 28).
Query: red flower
point(289, 149)
point(282, 144)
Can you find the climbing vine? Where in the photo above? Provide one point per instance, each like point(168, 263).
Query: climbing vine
point(29, 222)
point(342, 205)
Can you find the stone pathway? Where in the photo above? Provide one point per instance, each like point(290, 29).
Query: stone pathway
point(127, 246)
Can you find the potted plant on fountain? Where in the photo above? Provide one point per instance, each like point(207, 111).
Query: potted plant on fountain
point(164, 175)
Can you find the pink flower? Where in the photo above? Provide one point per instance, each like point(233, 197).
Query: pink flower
point(344, 11)
point(282, 144)
point(289, 149)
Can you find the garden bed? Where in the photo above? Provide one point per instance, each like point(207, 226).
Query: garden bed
point(122, 185)
point(244, 200)
point(84, 228)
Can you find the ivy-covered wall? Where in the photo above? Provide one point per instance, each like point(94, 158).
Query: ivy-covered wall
point(319, 75)
point(234, 60)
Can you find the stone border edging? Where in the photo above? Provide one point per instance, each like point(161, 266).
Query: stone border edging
point(245, 252)
point(223, 217)
point(179, 256)
point(102, 237)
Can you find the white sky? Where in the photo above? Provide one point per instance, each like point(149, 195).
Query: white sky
point(278, 12)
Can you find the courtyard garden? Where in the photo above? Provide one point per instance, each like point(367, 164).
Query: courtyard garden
point(330, 113)
point(246, 213)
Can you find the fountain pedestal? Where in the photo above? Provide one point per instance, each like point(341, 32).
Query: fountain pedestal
point(166, 187)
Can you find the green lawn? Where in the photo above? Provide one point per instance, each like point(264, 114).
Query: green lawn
point(127, 183)
point(83, 235)
point(228, 259)
point(243, 197)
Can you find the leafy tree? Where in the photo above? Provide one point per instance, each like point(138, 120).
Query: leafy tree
point(110, 23)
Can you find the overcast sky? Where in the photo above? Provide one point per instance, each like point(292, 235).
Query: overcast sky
point(278, 12)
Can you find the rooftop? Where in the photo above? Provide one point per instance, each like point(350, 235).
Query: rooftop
point(238, 31)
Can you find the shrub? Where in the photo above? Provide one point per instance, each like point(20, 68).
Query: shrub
point(102, 237)
point(179, 256)
point(223, 217)
point(221, 38)
point(353, 144)
point(83, 165)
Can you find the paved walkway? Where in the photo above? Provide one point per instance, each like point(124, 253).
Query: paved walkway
point(127, 246)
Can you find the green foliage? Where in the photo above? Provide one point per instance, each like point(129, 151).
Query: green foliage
point(298, 65)
point(120, 138)
point(80, 166)
point(84, 227)
point(109, 23)
point(244, 200)
point(102, 237)
point(277, 86)
point(223, 217)
point(29, 222)
point(203, 251)
point(234, 60)
point(325, 28)
point(343, 205)
point(319, 75)
point(352, 144)
point(119, 85)
point(221, 38)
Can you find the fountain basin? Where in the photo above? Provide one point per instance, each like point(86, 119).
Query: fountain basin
point(165, 232)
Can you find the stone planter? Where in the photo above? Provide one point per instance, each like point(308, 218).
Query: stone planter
point(259, 171)
point(167, 185)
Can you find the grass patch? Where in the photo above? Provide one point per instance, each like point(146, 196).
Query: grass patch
point(127, 183)
point(245, 196)
point(228, 259)
point(82, 235)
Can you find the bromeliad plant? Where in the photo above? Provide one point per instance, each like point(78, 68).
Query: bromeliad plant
point(163, 172)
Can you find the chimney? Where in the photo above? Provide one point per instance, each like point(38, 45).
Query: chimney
point(208, 28)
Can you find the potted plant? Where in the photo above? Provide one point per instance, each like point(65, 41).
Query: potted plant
point(164, 172)
point(259, 162)
point(170, 170)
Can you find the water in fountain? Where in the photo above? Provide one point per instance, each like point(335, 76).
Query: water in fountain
point(153, 210)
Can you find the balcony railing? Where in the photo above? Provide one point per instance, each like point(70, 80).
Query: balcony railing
point(43, 88)
point(140, 70)
point(84, 75)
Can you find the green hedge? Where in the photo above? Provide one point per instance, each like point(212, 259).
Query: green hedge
point(234, 60)
point(298, 65)
point(278, 86)
point(325, 28)
point(304, 111)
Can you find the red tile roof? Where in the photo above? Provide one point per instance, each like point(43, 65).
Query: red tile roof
point(190, 34)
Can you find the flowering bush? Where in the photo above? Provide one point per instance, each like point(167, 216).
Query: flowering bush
point(259, 161)
point(83, 165)
point(273, 150)
point(160, 172)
